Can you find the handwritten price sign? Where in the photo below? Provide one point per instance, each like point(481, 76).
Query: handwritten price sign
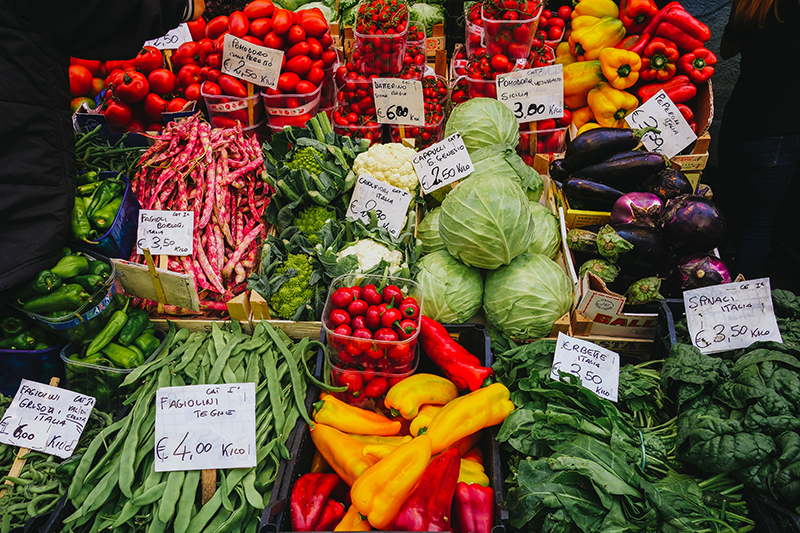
point(389, 204)
point(533, 94)
point(205, 426)
point(249, 62)
point(442, 163)
point(399, 101)
point(674, 133)
point(173, 39)
point(165, 232)
point(597, 368)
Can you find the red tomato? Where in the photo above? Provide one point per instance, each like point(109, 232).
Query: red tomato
point(314, 48)
point(206, 46)
point(305, 87)
point(260, 27)
point(155, 126)
point(176, 104)
point(113, 64)
point(325, 39)
point(299, 49)
point(313, 22)
point(300, 65)
point(296, 34)
point(197, 28)
point(80, 80)
point(317, 63)
point(188, 75)
point(219, 42)
point(132, 87)
point(92, 65)
point(555, 32)
point(500, 63)
point(113, 76)
point(117, 113)
point(288, 81)
point(259, 9)
point(214, 60)
point(329, 57)
point(135, 126)
point(149, 59)
point(216, 26)
point(315, 76)
point(273, 40)
point(253, 40)
point(213, 74)
point(238, 24)
point(162, 81)
point(232, 86)
point(221, 121)
point(192, 92)
point(210, 88)
point(97, 87)
point(282, 20)
point(189, 53)
point(154, 105)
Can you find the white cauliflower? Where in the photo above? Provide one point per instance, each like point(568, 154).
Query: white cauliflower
point(390, 163)
point(369, 253)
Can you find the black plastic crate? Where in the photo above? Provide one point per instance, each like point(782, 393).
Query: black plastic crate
point(475, 338)
point(770, 517)
point(670, 311)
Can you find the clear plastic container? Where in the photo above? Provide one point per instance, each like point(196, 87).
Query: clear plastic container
point(357, 92)
point(416, 33)
point(291, 109)
point(35, 365)
point(512, 38)
point(473, 38)
point(374, 381)
point(551, 141)
point(380, 54)
point(371, 130)
point(224, 110)
point(481, 88)
point(424, 136)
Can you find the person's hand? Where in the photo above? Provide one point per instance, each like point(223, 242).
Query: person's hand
point(199, 8)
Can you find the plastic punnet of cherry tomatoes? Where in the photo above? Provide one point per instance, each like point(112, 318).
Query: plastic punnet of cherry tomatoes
point(416, 32)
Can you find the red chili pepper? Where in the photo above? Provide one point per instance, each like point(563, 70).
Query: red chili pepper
point(473, 508)
point(392, 295)
point(376, 388)
point(342, 297)
point(357, 308)
point(459, 366)
point(428, 506)
point(358, 322)
point(386, 334)
point(339, 317)
point(636, 14)
point(401, 353)
point(309, 494)
point(406, 328)
point(353, 381)
point(371, 295)
point(356, 291)
point(391, 317)
point(679, 89)
point(373, 317)
point(344, 329)
point(698, 65)
point(658, 60)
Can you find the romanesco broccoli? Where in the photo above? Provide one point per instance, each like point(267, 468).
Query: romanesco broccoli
point(304, 158)
point(311, 219)
point(295, 292)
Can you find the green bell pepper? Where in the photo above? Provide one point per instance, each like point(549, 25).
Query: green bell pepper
point(23, 341)
point(122, 356)
point(113, 326)
point(138, 320)
point(71, 266)
point(11, 326)
point(147, 343)
point(104, 217)
point(110, 189)
point(45, 281)
point(66, 298)
point(79, 222)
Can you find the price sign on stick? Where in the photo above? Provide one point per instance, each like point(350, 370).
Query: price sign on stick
point(45, 418)
point(165, 232)
point(173, 39)
point(731, 316)
point(205, 426)
point(389, 203)
point(661, 113)
point(258, 65)
point(533, 94)
point(442, 163)
point(597, 368)
point(398, 101)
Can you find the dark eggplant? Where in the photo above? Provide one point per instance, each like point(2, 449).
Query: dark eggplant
point(557, 171)
point(626, 174)
point(667, 184)
point(598, 144)
point(590, 195)
point(693, 224)
point(623, 155)
point(650, 253)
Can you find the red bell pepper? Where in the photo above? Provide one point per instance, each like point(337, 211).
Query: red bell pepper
point(698, 65)
point(332, 514)
point(683, 29)
point(658, 60)
point(473, 508)
point(636, 14)
point(688, 115)
point(638, 45)
point(310, 495)
point(679, 89)
point(428, 506)
point(458, 365)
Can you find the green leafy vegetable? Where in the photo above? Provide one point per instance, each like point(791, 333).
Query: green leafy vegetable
point(428, 232)
point(483, 122)
point(427, 14)
point(546, 233)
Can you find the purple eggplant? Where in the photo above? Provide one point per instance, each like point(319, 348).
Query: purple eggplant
point(668, 184)
point(702, 270)
point(693, 224)
point(641, 208)
point(650, 253)
point(589, 195)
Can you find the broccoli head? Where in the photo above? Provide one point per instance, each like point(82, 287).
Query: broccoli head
point(311, 219)
point(304, 158)
point(295, 291)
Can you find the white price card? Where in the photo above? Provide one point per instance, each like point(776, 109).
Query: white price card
point(597, 367)
point(249, 62)
point(389, 203)
point(731, 316)
point(399, 101)
point(46, 419)
point(442, 163)
point(202, 427)
point(533, 94)
point(661, 113)
point(165, 232)
point(173, 39)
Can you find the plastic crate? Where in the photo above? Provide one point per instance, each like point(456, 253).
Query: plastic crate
point(475, 338)
point(770, 517)
point(670, 310)
point(118, 241)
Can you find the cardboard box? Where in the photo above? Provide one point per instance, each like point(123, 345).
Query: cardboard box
point(604, 309)
point(436, 41)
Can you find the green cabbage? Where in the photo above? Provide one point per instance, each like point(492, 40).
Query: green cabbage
point(327, 11)
point(483, 122)
point(525, 298)
point(427, 15)
point(486, 221)
point(546, 233)
point(428, 232)
point(502, 159)
point(453, 291)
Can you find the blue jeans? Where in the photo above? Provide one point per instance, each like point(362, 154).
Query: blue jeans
point(760, 170)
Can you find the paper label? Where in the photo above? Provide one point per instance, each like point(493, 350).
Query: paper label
point(731, 316)
point(597, 367)
point(165, 232)
point(389, 203)
point(205, 426)
point(249, 62)
point(173, 39)
point(46, 419)
point(399, 101)
point(442, 163)
point(661, 113)
point(533, 94)
point(179, 289)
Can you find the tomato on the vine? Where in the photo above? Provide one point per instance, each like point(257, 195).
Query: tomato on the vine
point(154, 105)
point(117, 113)
point(149, 59)
point(132, 87)
point(162, 81)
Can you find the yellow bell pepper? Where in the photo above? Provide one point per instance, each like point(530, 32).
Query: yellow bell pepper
point(472, 472)
point(331, 411)
point(421, 421)
point(595, 8)
point(381, 490)
point(584, 21)
point(378, 451)
point(468, 414)
point(620, 67)
point(580, 78)
point(610, 106)
point(352, 521)
point(563, 55)
point(587, 42)
point(407, 396)
point(319, 464)
point(586, 127)
point(581, 116)
point(367, 440)
point(343, 453)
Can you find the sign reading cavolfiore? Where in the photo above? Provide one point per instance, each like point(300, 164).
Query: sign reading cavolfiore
point(202, 427)
point(731, 316)
point(389, 203)
point(249, 62)
point(442, 163)
point(173, 39)
point(398, 101)
point(46, 419)
point(597, 368)
point(533, 94)
point(659, 112)
point(165, 232)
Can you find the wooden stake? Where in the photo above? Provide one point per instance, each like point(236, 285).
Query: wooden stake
point(208, 484)
point(249, 104)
